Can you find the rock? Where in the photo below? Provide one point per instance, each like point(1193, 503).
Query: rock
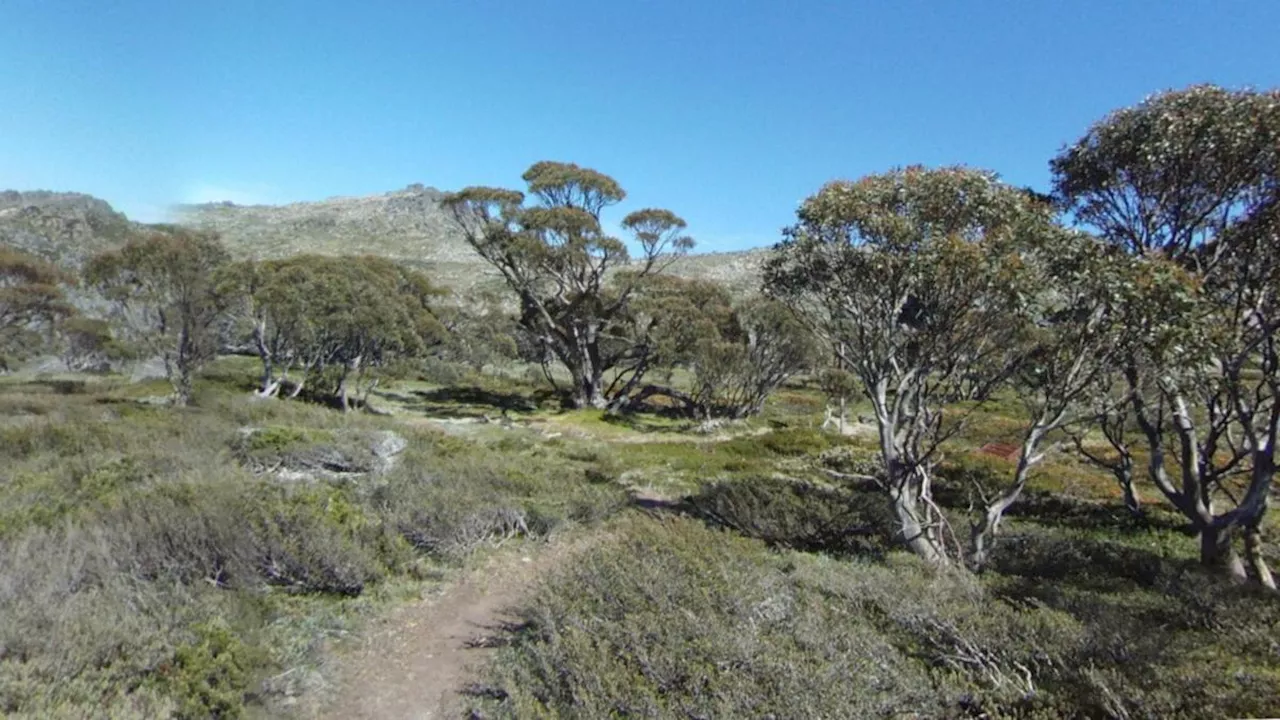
point(387, 447)
point(308, 455)
point(148, 370)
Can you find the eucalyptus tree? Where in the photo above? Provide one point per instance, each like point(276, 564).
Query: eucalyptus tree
point(736, 372)
point(1190, 178)
point(1075, 323)
point(736, 355)
point(338, 319)
point(32, 303)
point(481, 331)
point(165, 295)
point(658, 333)
point(556, 257)
point(915, 278)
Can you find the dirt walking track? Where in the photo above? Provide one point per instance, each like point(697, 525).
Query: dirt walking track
point(411, 663)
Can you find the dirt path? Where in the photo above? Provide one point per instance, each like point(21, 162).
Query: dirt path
point(411, 663)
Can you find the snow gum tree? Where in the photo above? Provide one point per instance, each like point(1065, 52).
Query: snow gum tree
point(917, 280)
point(1191, 179)
point(557, 258)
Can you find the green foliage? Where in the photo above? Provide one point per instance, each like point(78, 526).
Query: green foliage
point(209, 675)
point(673, 620)
point(1174, 172)
point(555, 257)
point(918, 279)
point(481, 332)
point(90, 345)
point(789, 442)
point(146, 575)
point(32, 303)
point(164, 291)
point(796, 515)
point(334, 319)
point(1184, 182)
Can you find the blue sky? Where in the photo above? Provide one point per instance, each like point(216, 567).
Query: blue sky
point(727, 112)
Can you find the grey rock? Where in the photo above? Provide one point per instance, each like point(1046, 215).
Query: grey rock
point(352, 455)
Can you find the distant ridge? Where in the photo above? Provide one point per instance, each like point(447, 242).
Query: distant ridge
point(407, 225)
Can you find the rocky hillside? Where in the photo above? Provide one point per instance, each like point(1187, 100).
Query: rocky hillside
point(65, 228)
point(408, 225)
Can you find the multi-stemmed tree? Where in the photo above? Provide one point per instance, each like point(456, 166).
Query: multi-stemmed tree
point(915, 278)
point(557, 258)
point(165, 295)
point(1191, 179)
point(338, 318)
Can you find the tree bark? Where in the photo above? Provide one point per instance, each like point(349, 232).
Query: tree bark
point(1217, 553)
point(919, 529)
point(1253, 553)
point(587, 391)
point(1124, 476)
point(982, 533)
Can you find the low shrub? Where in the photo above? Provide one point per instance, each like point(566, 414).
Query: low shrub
point(796, 515)
point(208, 675)
point(673, 620)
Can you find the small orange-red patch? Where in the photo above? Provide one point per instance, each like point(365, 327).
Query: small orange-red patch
point(1004, 451)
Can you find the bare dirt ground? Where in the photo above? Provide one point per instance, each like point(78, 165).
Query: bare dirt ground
point(413, 662)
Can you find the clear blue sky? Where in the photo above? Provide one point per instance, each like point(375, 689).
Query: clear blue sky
point(727, 112)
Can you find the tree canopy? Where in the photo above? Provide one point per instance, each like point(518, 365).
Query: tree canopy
point(917, 278)
point(1189, 181)
point(558, 260)
point(165, 295)
point(333, 318)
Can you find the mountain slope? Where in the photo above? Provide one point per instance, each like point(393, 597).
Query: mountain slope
point(407, 225)
point(65, 228)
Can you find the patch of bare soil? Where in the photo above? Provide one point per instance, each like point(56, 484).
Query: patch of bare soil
point(413, 662)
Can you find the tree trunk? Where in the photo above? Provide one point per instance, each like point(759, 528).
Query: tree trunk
point(1253, 553)
point(344, 398)
point(910, 507)
point(1124, 476)
point(183, 386)
point(982, 533)
point(269, 383)
point(587, 392)
point(1217, 553)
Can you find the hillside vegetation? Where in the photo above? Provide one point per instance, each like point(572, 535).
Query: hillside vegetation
point(951, 448)
point(65, 228)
